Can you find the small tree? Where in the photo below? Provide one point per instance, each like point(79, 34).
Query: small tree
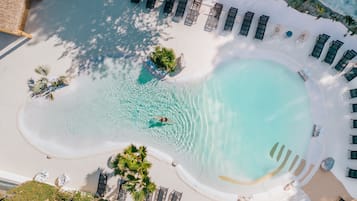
point(133, 167)
point(164, 58)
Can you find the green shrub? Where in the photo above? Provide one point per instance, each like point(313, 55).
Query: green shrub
point(164, 58)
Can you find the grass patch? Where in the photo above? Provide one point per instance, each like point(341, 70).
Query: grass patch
point(36, 191)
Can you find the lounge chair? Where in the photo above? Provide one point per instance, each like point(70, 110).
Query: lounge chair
point(181, 7)
point(353, 155)
point(354, 123)
point(193, 12)
point(247, 21)
point(102, 185)
point(168, 5)
point(148, 197)
point(350, 75)
point(353, 93)
point(135, 1)
point(231, 17)
point(332, 51)
point(122, 193)
point(213, 17)
point(354, 107)
point(352, 173)
point(161, 194)
point(175, 196)
point(347, 56)
point(354, 139)
point(319, 45)
point(262, 24)
point(150, 4)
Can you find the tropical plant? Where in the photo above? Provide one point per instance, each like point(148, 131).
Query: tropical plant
point(164, 58)
point(133, 167)
point(320, 10)
point(348, 20)
point(42, 70)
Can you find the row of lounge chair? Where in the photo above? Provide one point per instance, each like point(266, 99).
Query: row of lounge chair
point(161, 194)
point(352, 173)
point(213, 17)
point(335, 45)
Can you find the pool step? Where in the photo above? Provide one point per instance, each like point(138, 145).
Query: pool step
point(301, 172)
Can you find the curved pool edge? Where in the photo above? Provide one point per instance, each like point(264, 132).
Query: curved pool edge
point(181, 172)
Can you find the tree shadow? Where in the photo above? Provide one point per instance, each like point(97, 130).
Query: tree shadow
point(96, 31)
point(144, 76)
point(6, 39)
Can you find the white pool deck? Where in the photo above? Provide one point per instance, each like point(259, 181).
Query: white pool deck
point(330, 105)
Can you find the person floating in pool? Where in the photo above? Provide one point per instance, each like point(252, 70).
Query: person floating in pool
point(159, 121)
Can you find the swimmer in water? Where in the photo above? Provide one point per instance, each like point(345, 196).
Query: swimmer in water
point(162, 119)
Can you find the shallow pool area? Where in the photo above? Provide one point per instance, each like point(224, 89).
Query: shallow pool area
point(225, 124)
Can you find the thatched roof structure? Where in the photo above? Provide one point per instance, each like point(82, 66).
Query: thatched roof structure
point(13, 14)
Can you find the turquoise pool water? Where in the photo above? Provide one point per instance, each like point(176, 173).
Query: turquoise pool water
point(225, 124)
point(346, 7)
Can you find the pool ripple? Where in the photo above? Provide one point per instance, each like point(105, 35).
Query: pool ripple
point(223, 125)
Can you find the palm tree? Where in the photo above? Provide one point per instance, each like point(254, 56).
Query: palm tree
point(320, 10)
point(133, 167)
point(349, 20)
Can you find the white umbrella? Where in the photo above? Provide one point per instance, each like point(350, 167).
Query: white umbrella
point(41, 176)
point(62, 180)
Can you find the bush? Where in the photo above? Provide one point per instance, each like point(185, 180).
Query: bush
point(164, 58)
point(37, 191)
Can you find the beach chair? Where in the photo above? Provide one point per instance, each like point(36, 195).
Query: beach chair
point(332, 51)
point(354, 123)
point(319, 45)
point(247, 21)
point(231, 17)
point(168, 5)
point(161, 194)
point(347, 56)
point(175, 196)
point(181, 7)
point(135, 1)
point(193, 12)
point(150, 4)
point(353, 93)
point(353, 155)
point(262, 24)
point(350, 75)
point(122, 193)
point(148, 197)
point(354, 107)
point(102, 185)
point(354, 139)
point(352, 173)
point(213, 17)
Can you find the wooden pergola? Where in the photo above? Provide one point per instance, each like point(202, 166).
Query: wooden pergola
point(13, 14)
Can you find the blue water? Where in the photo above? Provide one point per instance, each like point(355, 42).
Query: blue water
point(225, 124)
point(345, 7)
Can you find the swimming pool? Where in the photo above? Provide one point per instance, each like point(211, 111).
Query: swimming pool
point(225, 124)
point(345, 7)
